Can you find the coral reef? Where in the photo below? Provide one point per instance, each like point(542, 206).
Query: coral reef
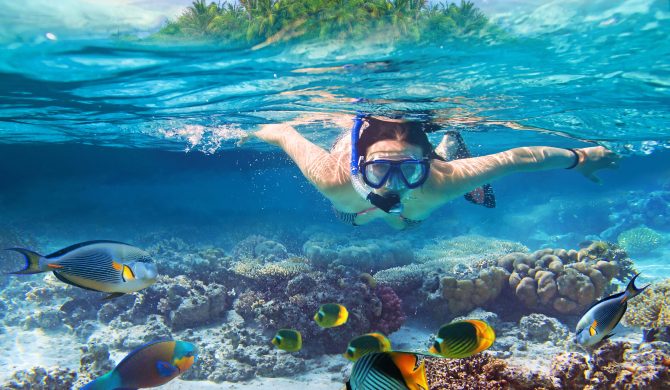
point(481, 372)
point(235, 353)
point(569, 370)
point(39, 378)
point(565, 282)
point(451, 276)
point(615, 365)
point(540, 328)
point(369, 255)
point(257, 247)
point(465, 295)
point(389, 316)
point(94, 363)
point(181, 302)
point(278, 303)
point(651, 309)
point(640, 240)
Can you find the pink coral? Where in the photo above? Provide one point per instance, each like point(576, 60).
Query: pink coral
point(392, 316)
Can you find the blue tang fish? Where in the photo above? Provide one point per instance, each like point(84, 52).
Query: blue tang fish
point(150, 365)
point(597, 324)
point(105, 266)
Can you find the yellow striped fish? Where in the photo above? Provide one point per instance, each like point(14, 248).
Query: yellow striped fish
point(461, 339)
point(367, 343)
point(105, 266)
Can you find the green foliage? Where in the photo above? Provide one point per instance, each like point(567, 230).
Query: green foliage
point(270, 21)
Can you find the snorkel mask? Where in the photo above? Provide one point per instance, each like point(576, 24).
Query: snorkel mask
point(368, 175)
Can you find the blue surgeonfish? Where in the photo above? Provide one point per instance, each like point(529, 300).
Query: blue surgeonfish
point(388, 371)
point(598, 322)
point(105, 266)
point(150, 365)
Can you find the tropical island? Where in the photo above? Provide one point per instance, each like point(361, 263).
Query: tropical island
point(259, 23)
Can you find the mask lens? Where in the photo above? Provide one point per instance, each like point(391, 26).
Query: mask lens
point(375, 173)
point(414, 172)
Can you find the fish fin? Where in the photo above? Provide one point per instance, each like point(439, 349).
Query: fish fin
point(165, 369)
point(113, 295)
point(63, 279)
point(418, 377)
point(32, 262)
point(608, 336)
point(81, 245)
point(631, 290)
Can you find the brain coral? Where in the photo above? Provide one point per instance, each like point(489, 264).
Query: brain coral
point(651, 309)
point(564, 281)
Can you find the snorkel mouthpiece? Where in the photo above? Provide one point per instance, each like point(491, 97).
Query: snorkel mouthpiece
point(389, 203)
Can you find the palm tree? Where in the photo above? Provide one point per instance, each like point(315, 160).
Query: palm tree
point(198, 17)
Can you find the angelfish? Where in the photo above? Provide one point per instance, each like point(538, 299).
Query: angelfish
point(105, 266)
point(150, 365)
point(597, 324)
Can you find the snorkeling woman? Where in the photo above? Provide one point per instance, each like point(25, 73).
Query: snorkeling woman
point(389, 170)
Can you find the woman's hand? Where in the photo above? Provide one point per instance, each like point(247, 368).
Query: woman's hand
point(594, 159)
point(270, 133)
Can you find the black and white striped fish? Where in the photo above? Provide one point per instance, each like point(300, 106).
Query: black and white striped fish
point(598, 322)
point(388, 371)
point(105, 266)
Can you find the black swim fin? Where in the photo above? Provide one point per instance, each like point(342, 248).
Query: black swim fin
point(483, 195)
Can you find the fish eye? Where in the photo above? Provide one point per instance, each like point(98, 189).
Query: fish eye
point(350, 352)
point(189, 354)
point(320, 315)
point(436, 345)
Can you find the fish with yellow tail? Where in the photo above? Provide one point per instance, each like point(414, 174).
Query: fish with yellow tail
point(461, 339)
point(367, 343)
point(597, 324)
point(289, 340)
point(153, 364)
point(106, 266)
point(388, 371)
point(331, 315)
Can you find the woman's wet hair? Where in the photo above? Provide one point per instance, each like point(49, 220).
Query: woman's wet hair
point(414, 133)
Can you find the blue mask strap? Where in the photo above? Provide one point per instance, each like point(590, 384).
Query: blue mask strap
point(355, 135)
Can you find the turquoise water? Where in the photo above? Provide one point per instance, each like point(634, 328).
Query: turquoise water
point(136, 141)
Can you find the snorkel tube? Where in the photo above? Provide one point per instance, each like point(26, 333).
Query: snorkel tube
point(389, 203)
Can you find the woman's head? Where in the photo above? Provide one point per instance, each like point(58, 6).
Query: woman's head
point(385, 138)
point(396, 155)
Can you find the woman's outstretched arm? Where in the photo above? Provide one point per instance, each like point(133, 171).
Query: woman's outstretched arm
point(454, 178)
point(322, 169)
